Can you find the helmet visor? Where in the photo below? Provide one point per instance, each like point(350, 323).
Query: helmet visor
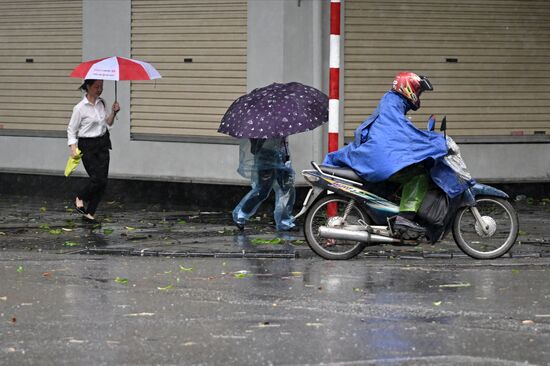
point(425, 84)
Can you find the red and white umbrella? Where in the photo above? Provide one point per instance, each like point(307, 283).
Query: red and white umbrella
point(115, 68)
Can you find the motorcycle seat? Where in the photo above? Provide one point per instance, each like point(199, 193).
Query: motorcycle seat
point(345, 173)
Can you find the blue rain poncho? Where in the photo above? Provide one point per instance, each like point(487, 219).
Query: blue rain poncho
point(263, 154)
point(387, 142)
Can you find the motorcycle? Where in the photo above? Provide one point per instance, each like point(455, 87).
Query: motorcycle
point(343, 216)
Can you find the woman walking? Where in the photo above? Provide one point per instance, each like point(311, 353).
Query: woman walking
point(89, 131)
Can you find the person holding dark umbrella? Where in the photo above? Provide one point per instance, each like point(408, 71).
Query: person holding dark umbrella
point(89, 131)
point(269, 169)
point(262, 120)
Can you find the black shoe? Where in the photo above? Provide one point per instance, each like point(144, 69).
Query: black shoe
point(88, 220)
point(239, 226)
point(80, 209)
point(407, 229)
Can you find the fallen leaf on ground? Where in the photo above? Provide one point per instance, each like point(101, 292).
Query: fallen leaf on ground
point(129, 228)
point(123, 281)
point(66, 229)
point(165, 288)
point(42, 209)
point(528, 322)
point(70, 244)
point(107, 231)
point(273, 241)
point(188, 269)
point(267, 325)
point(20, 269)
point(76, 341)
point(454, 285)
point(55, 231)
point(436, 303)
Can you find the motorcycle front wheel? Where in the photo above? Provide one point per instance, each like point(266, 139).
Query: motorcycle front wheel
point(502, 221)
point(330, 211)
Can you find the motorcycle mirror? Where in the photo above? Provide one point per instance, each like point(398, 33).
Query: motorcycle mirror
point(431, 123)
point(443, 124)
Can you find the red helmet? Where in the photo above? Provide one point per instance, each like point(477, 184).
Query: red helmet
point(410, 85)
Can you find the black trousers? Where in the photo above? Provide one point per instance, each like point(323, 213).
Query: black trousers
point(95, 157)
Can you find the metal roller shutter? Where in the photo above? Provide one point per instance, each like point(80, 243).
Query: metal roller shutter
point(40, 43)
point(199, 47)
point(488, 61)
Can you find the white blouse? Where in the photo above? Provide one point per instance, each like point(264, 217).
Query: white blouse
point(87, 120)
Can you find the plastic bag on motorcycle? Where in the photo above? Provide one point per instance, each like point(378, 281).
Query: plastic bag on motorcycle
point(436, 213)
point(454, 160)
point(437, 209)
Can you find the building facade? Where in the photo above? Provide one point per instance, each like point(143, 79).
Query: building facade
point(488, 61)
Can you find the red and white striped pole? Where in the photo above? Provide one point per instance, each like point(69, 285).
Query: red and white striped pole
point(334, 87)
point(334, 80)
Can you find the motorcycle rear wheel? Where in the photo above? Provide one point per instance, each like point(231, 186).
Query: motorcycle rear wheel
point(333, 248)
point(502, 219)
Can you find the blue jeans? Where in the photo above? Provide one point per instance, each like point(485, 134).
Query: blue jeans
point(263, 182)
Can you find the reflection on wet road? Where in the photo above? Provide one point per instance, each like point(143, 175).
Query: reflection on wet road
point(133, 310)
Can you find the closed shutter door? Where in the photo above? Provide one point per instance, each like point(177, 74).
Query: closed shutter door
point(199, 48)
point(488, 61)
point(40, 44)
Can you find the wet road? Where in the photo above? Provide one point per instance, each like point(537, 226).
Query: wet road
point(102, 310)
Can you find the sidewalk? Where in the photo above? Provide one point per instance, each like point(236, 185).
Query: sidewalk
point(33, 224)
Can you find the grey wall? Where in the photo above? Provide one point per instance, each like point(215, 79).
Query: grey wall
point(505, 163)
point(107, 32)
point(288, 41)
point(284, 45)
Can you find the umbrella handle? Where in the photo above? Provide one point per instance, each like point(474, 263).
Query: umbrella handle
point(116, 95)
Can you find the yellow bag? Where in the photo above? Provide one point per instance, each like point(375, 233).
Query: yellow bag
point(72, 163)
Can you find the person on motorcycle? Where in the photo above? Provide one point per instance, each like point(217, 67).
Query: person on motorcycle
point(267, 163)
point(387, 146)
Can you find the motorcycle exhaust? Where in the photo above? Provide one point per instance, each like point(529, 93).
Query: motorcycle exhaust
point(363, 236)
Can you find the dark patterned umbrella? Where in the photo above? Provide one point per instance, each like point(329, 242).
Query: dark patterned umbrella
point(276, 110)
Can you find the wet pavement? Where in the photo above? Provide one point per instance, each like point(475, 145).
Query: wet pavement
point(112, 310)
point(28, 223)
point(184, 287)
